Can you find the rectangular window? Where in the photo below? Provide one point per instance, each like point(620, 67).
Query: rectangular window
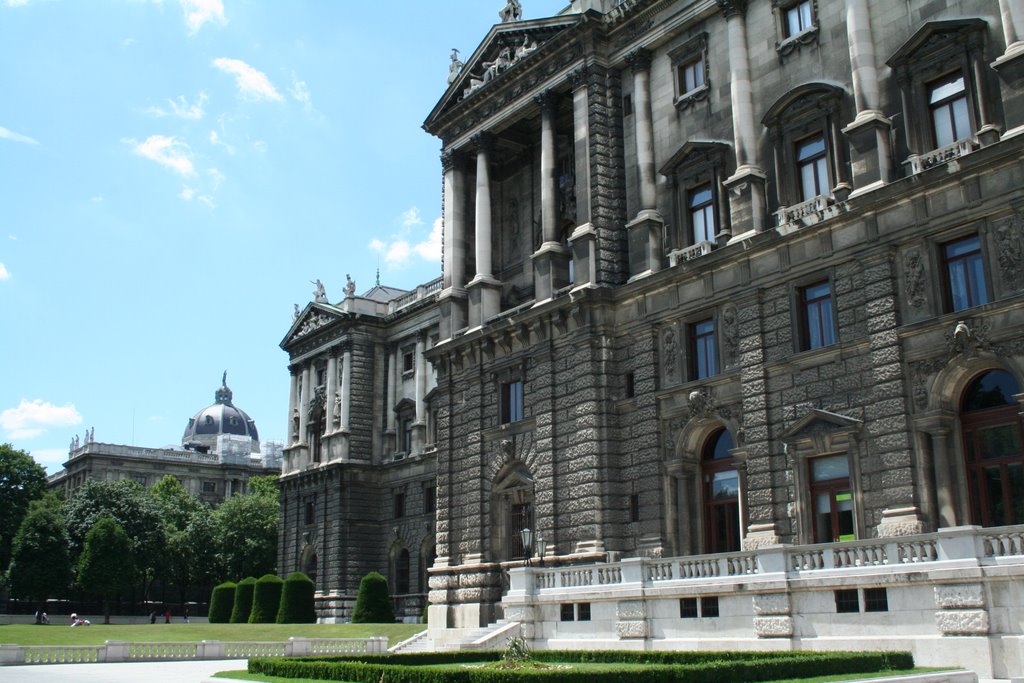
point(408, 360)
point(520, 517)
point(321, 377)
point(630, 385)
point(798, 18)
point(429, 498)
point(691, 75)
point(209, 487)
point(405, 435)
point(687, 608)
point(947, 100)
point(702, 214)
point(583, 611)
point(568, 613)
point(818, 328)
point(139, 479)
point(634, 508)
point(512, 402)
point(310, 513)
point(709, 606)
point(847, 601)
point(399, 505)
point(703, 362)
point(876, 600)
point(833, 499)
point(965, 274)
point(812, 167)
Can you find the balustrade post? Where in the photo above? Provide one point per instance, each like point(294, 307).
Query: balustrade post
point(959, 543)
point(12, 654)
point(116, 650)
point(300, 647)
point(633, 570)
point(772, 561)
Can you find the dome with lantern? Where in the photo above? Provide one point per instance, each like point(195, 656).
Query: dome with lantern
point(206, 429)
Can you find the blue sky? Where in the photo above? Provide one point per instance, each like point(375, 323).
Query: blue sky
point(174, 173)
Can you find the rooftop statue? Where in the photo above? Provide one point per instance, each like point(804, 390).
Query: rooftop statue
point(320, 292)
point(350, 286)
point(455, 68)
point(513, 11)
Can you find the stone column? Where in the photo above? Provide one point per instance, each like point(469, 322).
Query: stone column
point(420, 426)
point(550, 262)
point(484, 290)
point(389, 434)
point(293, 406)
point(1010, 66)
point(332, 388)
point(346, 389)
point(304, 398)
point(645, 230)
point(747, 185)
point(453, 297)
point(584, 237)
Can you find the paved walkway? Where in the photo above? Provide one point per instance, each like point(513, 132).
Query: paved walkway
point(127, 672)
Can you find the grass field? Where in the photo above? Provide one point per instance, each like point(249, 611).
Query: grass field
point(54, 634)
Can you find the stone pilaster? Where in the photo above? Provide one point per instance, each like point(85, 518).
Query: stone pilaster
point(551, 261)
point(484, 290)
point(453, 297)
point(646, 228)
point(420, 425)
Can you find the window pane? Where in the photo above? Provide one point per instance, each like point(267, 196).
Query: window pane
point(828, 335)
point(947, 88)
point(718, 447)
point(943, 126)
point(958, 293)
point(805, 15)
point(808, 184)
point(827, 469)
point(792, 21)
point(817, 291)
point(996, 504)
point(810, 148)
point(976, 273)
point(814, 340)
point(1002, 441)
point(823, 518)
point(844, 512)
point(1015, 474)
point(963, 247)
point(961, 119)
point(725, 485)
point(700, 229)
point(991, 390)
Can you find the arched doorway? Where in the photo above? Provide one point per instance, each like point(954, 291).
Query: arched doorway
point(992, 445)
point(512, 500)
point(721, 483)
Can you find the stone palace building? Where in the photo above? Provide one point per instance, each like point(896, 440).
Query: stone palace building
point(730, 320)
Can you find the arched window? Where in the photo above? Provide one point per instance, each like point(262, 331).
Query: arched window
point(721, 494)
point(402, 572)
point(993, 437)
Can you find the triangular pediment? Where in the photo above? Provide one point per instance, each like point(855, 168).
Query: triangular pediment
point(505, 50)
point(934, 36)
point(314, 318)
point(819, 421)
point(696, 153)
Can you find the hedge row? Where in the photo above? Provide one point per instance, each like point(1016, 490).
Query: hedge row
point(222, 601)
point(673, 667)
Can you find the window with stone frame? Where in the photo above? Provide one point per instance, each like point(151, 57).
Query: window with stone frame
point(943, 78)
point(964, 272)
point(405, 418)
point(690, 69)
point(402, 572)
point(832, 499)
point(721, 494)
point(701, 215)
point(398, 502)
point(815, 316)
point(811, 165)
point(796, 23)
point(511, 400)
point(703, 349)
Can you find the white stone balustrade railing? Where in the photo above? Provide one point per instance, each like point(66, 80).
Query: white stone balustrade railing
point(418, 294)
point(119, 651)
point(923, 162)
point(677, 256)
point(971, 545)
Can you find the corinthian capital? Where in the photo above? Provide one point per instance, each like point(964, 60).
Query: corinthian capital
point(732, 8)
point(639, 59)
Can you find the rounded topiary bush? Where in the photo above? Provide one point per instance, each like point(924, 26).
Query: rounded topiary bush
point(373, 603)
point(243, 600)
point(266, 599)
point(222, 602)
point(297, 600)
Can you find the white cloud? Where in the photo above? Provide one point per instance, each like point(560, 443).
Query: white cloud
point(300, 92)
point(16, 137)
point(13, 238)
point(400, 249)
point(181, 108)
point(207, 200)
point(252, 83)
point(216, 177)
point(187, 193)
point(4, 273)
point(199, 12)
point(32, 418)
point(16, 3)
point(166, 151)
point(50, 458)
point(216, 141)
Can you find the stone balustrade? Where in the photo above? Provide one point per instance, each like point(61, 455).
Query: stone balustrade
point(120, 651)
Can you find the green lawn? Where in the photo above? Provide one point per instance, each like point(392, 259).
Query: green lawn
point(54, 634)
point(245, 676)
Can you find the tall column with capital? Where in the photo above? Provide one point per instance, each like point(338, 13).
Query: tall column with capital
point(304, 398)
point(346, 398)
point(584, 237)
point(453, 297)
point(293, 407)
point(869, 133)
point(420, 425)
point(747, 185)
point(483, 290)
point(550, 262)
point(646, 228)
point(332, 388)
point(389, 433)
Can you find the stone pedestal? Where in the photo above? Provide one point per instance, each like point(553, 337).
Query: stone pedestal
point(747, 207)
point(870, 156)
point(550, 270)
point(453, 315)
point(1010, 67)
point(584, 255)
point(644, 234)
point(484, 300)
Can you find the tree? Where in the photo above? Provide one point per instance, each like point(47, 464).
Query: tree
point(373, 602)
point(40, 563)
point(246, 529)
point(177, 505)
point(22, 480)
point(128, 504)
point(297, 604)
point(106, 566)
point(190, 557)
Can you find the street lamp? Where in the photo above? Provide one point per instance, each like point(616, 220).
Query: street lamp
point(540, 549)
point(526, 536)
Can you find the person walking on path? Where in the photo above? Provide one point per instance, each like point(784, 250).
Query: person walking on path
point(185, 614)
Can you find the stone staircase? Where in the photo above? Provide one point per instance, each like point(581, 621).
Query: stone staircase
point(494, 636)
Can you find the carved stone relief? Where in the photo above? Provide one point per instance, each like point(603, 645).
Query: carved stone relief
point(1009, 233)
point(731, 335)
point(914, 275)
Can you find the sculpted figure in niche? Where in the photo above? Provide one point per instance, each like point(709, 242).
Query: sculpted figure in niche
point(455, 68)
point(512, 11)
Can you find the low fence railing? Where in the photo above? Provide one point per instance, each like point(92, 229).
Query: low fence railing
point(119, 651)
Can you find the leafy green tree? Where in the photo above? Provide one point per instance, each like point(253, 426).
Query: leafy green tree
point(22, 480)
point(128, 504)
point(266, 600)
point(106, 567)
point(176, 504)
point(246, 529)
point(297, 605)
point(40, 564)
point(190, 558)
point(264, 486)
point(373, 602)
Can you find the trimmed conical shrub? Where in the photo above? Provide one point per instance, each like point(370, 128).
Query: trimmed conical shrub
point(222, 602)
point(243, 600)
point(266, 599)
point(297, 600)
point(373, 603)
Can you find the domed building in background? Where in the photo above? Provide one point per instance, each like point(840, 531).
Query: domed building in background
point(220, 450)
